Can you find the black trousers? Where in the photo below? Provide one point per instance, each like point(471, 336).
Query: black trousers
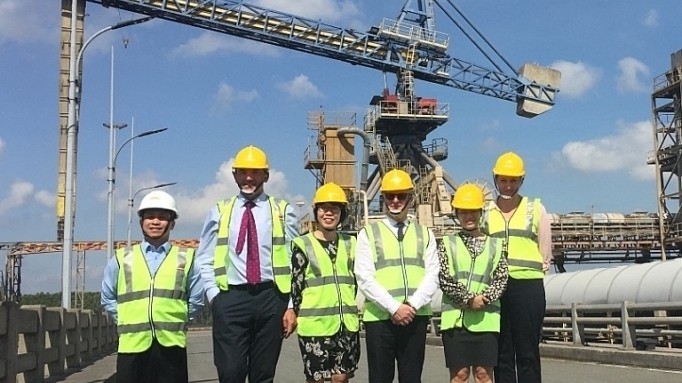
point(247, 332)
point(388, 343)
point(523, 310)
point(158, 364)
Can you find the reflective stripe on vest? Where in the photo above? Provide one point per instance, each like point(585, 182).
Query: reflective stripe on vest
point(476, 274)
point(399, 265)
point(329, 293)
point(521, 233)
point(281, 264)
point(152, 306)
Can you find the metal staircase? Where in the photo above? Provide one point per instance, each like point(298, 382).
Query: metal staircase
point(386, 156)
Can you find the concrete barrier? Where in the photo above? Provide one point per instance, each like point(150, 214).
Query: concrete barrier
point(37, 342)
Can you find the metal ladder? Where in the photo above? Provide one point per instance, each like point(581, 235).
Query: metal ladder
point(386, 155)
point(423, 186)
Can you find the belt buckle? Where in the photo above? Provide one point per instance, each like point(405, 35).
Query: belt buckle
point(252, 288)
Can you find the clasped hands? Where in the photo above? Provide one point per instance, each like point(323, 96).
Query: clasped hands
point(478, 302)
point(404, 315)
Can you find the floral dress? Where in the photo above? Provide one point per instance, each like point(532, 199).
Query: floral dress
point(323, 356)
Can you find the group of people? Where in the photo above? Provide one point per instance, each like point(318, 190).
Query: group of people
point(264, 282)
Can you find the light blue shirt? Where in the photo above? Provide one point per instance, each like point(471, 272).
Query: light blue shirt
point(236, 271)
point(154, 256)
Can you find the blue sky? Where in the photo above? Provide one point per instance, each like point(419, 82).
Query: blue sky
point(217, 93)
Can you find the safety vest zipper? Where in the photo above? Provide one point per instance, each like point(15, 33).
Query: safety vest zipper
point(403, 269)
point(468, 285)
point(338, 289)
point(149, 307)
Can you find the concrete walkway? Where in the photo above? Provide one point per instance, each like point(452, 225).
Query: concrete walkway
point(289, 369)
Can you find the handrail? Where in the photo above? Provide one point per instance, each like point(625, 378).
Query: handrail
point(629, 326)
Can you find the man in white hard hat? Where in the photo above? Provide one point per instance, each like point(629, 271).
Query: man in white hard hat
point(152, 290)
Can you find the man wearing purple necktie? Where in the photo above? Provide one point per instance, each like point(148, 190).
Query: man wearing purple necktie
point(245, 258)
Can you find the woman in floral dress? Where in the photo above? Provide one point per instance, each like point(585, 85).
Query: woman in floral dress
point(323, 292)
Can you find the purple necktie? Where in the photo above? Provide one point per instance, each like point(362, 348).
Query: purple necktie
point(248, 226)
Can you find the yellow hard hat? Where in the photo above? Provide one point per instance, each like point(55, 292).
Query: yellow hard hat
point(509, 164)
point(396, 180)
point(251, 157)
point(468, 196)
point(330, 192)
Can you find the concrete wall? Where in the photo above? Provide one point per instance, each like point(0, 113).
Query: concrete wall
point(38, 342)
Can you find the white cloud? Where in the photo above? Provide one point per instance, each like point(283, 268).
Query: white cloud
point(226, 95)
point(625, 150)
point(491, 144)
point(28, 20)
point(632, 75)
point(300, 87)
point(2, 146)
point(20, 191)
point(651, 19)
point(328, 10)
point(193, 208)
point(214, 43)
point(576, 77)
point(45, 198)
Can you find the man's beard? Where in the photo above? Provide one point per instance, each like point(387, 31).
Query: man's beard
point(248, 190)
point(400, 216)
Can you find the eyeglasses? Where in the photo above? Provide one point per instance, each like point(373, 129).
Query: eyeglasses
point(399, 196)
point(329, 208)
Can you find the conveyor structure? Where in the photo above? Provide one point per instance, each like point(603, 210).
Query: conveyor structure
point(666, 107)
point(577, 237)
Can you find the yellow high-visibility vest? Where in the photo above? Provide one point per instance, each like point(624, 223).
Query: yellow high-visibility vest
point(521, 236)
point(329, 293)
point(399, 265)
point(476, 274)
point(281, 268)
point(152, 306)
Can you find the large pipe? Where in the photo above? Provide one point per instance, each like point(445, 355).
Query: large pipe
point(659, 281)
point(366, 144)
point(434, 163)
point(374, 185)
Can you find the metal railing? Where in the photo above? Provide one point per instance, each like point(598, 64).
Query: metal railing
point(630, 326)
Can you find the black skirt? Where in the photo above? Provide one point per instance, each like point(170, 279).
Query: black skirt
point(464, 348)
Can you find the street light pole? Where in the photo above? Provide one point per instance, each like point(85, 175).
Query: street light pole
point(131, 203)
point(130, 172)
point(112, 180)
point(75, 80)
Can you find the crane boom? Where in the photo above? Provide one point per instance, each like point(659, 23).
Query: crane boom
point(385, 47)
point(408, 47)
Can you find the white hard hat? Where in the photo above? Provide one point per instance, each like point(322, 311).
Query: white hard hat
point(158, 199)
